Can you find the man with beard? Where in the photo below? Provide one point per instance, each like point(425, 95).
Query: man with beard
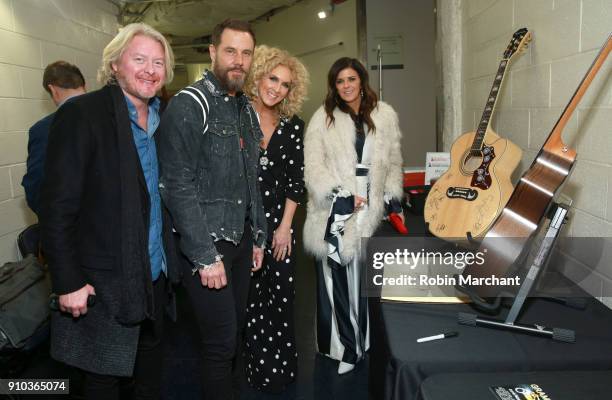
point(209, 154)
point(104, 232)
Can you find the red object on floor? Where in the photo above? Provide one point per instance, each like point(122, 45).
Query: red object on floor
point(397, 223)
point(414, 178)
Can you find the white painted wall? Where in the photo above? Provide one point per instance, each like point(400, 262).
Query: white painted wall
point(566, 37)
point(411, 90)
point(33, 34)
point(299, 31)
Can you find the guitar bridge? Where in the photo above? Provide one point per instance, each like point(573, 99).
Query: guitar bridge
point(461, 193)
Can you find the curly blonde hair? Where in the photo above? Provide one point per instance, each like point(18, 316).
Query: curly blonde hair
point(265, 60)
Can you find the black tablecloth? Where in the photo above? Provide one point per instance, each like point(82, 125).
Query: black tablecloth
point(487, 350)
point(399, 365)
point(560, 385)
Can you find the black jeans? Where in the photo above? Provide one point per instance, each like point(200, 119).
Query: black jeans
point(220, 314)
point(147, 369)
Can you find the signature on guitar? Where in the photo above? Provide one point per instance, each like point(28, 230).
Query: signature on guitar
point(436, 198)
point(482, 212)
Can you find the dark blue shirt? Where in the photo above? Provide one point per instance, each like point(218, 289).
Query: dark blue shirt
point(145, 145)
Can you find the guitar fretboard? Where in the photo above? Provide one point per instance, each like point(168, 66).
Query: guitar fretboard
point(488, 110)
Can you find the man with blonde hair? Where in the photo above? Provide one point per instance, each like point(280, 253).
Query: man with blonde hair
point(104, 231)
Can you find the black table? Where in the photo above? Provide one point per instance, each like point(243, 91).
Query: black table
point(399, 365)
point(559, 385)
point(477, 350)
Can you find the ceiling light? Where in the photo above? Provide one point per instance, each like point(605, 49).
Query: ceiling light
point(322, 15)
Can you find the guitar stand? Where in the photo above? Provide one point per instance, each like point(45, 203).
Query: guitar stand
point(470, 238)
point(558, 218)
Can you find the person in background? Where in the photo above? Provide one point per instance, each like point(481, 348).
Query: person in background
point(209, 154)
point(104, 231)
point(62, 81)
point(277, 87)
point(353, 174)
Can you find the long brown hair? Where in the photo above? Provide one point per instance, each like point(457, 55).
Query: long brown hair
point(369, 100)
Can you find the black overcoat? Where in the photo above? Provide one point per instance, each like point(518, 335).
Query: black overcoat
point(95, 219)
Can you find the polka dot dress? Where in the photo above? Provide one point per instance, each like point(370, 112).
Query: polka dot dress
point(270, 351)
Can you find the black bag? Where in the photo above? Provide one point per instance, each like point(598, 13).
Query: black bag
point(24, 307)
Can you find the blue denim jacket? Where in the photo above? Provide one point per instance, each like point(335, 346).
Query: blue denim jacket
point(200, 169)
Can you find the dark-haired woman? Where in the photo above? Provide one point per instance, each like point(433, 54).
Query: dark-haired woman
point(353, 173)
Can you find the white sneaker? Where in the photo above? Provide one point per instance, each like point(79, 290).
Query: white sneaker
point(343, 367)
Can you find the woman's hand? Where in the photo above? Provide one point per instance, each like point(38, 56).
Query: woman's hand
point(360, 202)
point(281, 242)
point(401, 215)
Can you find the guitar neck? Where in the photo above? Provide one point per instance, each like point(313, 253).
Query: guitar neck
point(485, 120)
point(554, 143)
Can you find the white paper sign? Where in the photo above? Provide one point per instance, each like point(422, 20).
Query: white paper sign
point(435, 165)
point(392, 47)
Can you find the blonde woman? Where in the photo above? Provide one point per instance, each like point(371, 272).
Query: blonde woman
point(277, 87)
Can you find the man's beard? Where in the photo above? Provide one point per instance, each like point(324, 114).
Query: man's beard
point(231, 85)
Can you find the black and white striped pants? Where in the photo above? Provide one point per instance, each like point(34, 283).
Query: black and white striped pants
point(342, 313)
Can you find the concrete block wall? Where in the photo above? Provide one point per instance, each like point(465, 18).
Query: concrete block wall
point(567, 35)
point(33, 34)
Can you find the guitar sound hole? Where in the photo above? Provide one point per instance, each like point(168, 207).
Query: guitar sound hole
point(471, 162)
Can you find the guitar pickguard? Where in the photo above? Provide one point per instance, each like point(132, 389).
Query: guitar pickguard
point(482, 177)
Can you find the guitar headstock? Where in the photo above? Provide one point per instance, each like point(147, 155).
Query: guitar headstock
point(518, 43)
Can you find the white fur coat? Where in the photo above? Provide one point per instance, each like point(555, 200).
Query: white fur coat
point(329, 162)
